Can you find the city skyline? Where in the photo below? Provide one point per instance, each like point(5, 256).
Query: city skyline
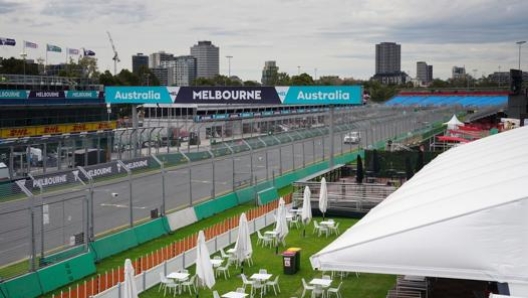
point(336, 38)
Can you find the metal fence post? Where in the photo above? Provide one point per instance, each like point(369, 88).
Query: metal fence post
point(129, 174)
point(163, 172)
point(90, 200)
point(37, 182)
point(213, 190)
point(190, 178)
point(31, 199)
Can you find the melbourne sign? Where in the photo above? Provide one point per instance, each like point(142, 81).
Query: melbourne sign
point(294, 95)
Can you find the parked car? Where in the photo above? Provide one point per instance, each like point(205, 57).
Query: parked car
point(352, 138)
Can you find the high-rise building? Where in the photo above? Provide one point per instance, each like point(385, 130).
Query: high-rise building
point(162, 74)
point(156, 59)
point(181, 71)
point(269, 73)
point(458, 72)
point(388, 58)
point(139, 60)
point(207, 59)
point(424, 72)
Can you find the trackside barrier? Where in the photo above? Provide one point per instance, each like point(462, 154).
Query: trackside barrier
point(246, 194)
point(181, 218)
point(22, 287)
point(177, 255)
point(212, 207)
point(119, 242)
point(60, 274)
point(63, 255)
point(267, 195)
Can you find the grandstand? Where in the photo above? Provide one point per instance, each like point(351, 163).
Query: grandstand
point(466, 99)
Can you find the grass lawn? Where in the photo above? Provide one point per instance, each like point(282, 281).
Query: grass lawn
point(364, 286)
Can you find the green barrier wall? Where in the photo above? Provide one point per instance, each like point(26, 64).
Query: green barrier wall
point(26, 286)
point(197, 156)
point(114, 244)
point(63, 273)
point(245, 195)
point(63, 255)
point(212, 207)
point(268, 195)
point(150, 230)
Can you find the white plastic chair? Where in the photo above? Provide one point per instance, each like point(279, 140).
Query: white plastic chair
point(264, 240)
point(249, 259)
point(216, 295)
point(257, 285)
point(263, 271)
point(190, 284)
point(224, 269)
point(306, 287)
point(334, 229)
point(245, 281)
point(274, 283)
point(334, 291)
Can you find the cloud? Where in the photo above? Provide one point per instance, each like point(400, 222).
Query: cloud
point(7, 7)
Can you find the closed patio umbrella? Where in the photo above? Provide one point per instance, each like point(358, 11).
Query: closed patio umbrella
point(243, 246)
point(306, 214)
point(323, 197)
point(129, 285)
point(204, 267)
point(282, 223)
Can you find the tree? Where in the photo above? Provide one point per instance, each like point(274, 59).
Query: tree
point(360, 174)
point(107, 79)
point(251, 84)
point(89, 68)
point(202, 82)
point(128, 78)
point(303, 79)
point(283, 79)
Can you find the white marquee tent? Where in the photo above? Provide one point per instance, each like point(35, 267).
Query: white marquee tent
point(454, 123)
point(464, 216)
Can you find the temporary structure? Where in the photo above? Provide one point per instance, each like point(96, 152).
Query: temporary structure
point(454, 123)
point(462, 216)
point(282, 224)
point(204, 267)
point(243, 247)
point(129, 285)
point(323, 197)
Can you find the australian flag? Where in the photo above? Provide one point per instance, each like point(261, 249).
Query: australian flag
point(7, 42)
point(89, 53)
point(29, 44)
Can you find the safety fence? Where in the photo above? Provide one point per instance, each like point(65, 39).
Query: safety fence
point(113, 277)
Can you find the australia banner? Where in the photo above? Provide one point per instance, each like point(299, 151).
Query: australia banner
point(53, 48)
point(288, 95)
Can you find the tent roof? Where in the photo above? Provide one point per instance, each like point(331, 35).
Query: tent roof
point(454, 121)
point(464, 215)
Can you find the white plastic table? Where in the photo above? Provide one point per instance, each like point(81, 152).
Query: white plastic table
point(235, 295)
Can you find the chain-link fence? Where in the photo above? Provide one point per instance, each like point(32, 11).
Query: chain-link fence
point(51, 216)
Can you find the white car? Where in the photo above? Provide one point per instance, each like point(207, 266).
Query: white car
point(352, 138)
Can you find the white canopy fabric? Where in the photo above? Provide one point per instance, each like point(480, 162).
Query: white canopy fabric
point(282, 223)
point(323, 197)
point(464, 216)
point(243, 246)
point(306, 212)
point(454, 123)
point(129, 285)
point(204, 267)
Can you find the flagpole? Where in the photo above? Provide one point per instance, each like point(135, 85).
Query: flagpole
point(67, 54)
point(46, 67)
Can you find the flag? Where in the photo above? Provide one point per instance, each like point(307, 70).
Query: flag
point(73, 52)
point(52, 48)
point(7, 41)
point(29, 44)
point(89, 53)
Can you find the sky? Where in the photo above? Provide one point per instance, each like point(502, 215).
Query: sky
point(332, 37)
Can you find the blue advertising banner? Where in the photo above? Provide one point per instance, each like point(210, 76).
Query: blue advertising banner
point(230, 95)
point(140, 95)
point(326, 95)
point(81, 94)
point(294, 95)
point(13, 94)
point(46, 94)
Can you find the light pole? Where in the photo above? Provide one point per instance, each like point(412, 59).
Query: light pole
point(298, 69)
point(24, 55)
point(229, 65)
point(520, 43)
point(474, 77)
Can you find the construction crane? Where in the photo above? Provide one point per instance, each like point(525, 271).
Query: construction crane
point(116, 56)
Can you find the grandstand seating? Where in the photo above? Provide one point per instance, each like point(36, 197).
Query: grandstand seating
point(443, 99)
